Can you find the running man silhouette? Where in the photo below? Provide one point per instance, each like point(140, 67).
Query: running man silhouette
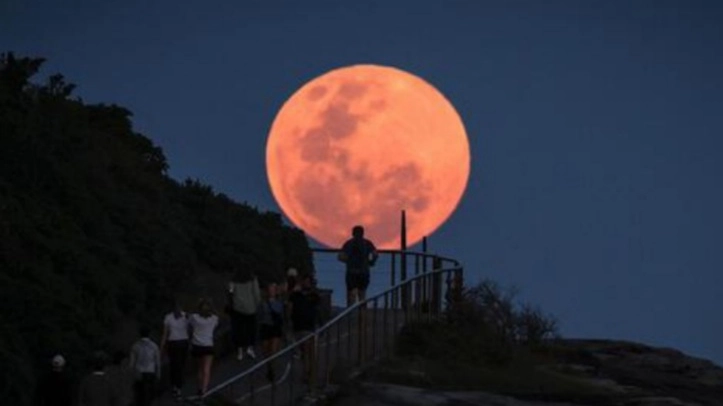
point(359, 254)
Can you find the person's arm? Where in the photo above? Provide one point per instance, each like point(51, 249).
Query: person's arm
point(213, 329)
point(257, 292)
point(133, 357)
point(158, 364)
point(343, 256)
point(191, 321)
point(374, 254)
point(164, 335)
point(229, 299)
point(289, 310)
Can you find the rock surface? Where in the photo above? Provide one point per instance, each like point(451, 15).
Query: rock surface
point(380, 394)
point(634, 374)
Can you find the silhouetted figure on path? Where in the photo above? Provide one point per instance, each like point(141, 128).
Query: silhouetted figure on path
point(175, 341)
point(122, 378)
point(244, 298)
point(203, 324)
point(96, 389)
point(271, 323)
point(359, 254)
point(146, 363)
point(55, 388)
point(303, 308)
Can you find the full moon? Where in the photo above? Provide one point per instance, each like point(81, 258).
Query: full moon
point(359, 144)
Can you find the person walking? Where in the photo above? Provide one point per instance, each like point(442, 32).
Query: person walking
point(174, 340)
point(55, 388)
point(96, 389)
point(244, 298)
point(122, 378)
point(303, 308)
point(203, 325)
point(271, 322)
point(359, 254)
point(146, 363)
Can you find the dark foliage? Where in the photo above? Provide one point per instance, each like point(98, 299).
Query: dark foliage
point(485, 326)
point(93, 231)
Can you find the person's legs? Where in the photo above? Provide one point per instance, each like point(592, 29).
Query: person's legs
point(267, 347)
point(248, 333)
point(237, 331)
point(145, 389)
point(149, 381)
point(351, 288)
point(138, 392)
point(199, 375)
point(308, 358)
point(275, 344)
point(177, 360)
point(351, 297)
point(362, 281)
point(206, 362)
point(249, 336)
point(362, 285)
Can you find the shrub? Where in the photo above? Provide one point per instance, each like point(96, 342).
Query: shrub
point(485, 325)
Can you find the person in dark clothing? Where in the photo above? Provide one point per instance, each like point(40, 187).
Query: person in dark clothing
point(359, 254)
point(55, 388)
point(244, 297)
point(122, 378)
point(271, 323)
point(96, 389)
point(303, 308)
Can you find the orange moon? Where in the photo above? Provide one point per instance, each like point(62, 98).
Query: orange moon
point(359, 144)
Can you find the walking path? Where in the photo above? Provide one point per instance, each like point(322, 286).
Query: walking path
point(337, 353)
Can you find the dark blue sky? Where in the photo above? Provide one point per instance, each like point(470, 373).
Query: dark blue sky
point(595, 128)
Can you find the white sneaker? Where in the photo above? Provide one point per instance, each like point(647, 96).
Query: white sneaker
point(251, 353)
point(240, 355)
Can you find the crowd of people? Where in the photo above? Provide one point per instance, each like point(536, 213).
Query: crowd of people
point(272, 313)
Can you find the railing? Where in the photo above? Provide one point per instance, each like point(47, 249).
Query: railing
point(360, 334)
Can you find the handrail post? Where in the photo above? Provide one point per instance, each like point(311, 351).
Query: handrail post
point(385, 321)
point(425, 283)
point(417, 284)
point(292, 398)
point(361, 335)
point(402, 278)
point(393, 275)
point(313, 360)
point(374, 328)
point(327, 373)
point(436, 285)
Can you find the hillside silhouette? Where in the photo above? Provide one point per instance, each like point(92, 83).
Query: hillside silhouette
point(93, 231)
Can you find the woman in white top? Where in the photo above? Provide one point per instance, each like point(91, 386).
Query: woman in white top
point(175, 340)
point(203, 325)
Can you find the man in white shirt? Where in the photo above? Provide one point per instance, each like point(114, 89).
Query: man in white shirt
point(146, 363)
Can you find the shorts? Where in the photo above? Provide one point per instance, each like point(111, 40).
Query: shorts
point(269, 331)
point(201, 350)
point(356, 279)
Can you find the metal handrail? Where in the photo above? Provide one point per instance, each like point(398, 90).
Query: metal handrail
point(349, 311)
